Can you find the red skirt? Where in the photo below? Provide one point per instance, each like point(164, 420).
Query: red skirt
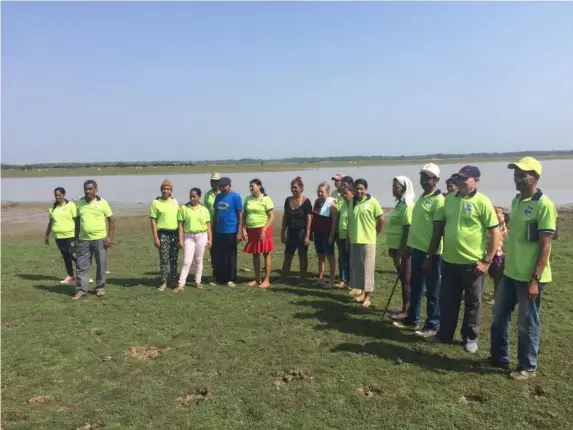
point(255, 245)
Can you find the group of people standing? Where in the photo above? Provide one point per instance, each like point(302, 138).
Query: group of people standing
point(444, 243)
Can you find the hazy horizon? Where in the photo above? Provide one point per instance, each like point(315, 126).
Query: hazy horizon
point(111, 81)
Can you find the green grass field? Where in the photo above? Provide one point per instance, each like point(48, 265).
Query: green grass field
point(244, 358)
point(236, 168)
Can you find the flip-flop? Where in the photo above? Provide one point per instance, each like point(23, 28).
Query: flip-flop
point(178, 289)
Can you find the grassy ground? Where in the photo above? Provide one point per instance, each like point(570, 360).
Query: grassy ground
point(219, 358)
point(230, 168)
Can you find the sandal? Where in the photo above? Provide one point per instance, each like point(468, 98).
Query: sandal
point(366, 304)
point(162, 287)
point(100, 293)
point(77, 297)
point(178, 289)
point(359, 299)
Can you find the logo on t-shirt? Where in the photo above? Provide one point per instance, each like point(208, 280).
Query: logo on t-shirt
point(529, 210)
point(222, 206)
point(427, 202)
point(468, 207)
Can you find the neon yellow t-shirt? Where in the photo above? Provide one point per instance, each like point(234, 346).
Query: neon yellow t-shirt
point(256, 210)
point(423, 217)
point(63, 220)
point(467, 221)
point(209, 202)
point(397, 219)
point(521, 254)
point(93, 218)
point(362, 216)
point(195, 219)
point(165, 212)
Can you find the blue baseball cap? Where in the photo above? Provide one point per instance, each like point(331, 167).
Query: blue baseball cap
point(469, 172)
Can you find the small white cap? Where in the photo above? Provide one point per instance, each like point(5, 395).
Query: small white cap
point(431, 169)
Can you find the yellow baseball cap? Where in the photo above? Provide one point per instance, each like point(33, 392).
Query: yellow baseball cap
point(527, 164)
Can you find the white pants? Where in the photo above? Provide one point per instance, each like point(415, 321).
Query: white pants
point(193, 252)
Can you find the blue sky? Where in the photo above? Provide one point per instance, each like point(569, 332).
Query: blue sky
point(151, 81)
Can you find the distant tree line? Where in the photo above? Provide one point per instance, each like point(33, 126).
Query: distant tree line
point(294, 160)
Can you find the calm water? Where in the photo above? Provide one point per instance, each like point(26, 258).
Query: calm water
point(496, 183)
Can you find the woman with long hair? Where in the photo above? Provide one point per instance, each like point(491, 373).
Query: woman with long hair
point(325, 215)
point(295, 228)
point(62, 226)
point(258, 214)
point(397, 230)
point(194, 236)
point(365, 222)
point(164, 227)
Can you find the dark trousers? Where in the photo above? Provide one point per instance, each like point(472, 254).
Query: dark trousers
point(67, 248)
point(225, 250)
point(458, 279)
point(168, 254)
point(343, 261)
point(431, 281)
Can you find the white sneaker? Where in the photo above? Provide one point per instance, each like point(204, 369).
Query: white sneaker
point(231, 284)
point(471, 347)
point(91, 281)
point(522, 375)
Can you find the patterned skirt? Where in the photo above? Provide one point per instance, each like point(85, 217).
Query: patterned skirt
point(362, 266)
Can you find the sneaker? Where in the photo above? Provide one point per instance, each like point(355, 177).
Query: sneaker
point(425, 333)
point(231, 284)
point(471, 347)
point(68, 280)
point(489, 361)
point(522, 375)
point(434, 339)
point(91, 281)
point(401, 324)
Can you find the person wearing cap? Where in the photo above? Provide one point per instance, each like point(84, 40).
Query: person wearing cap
point(228, 228)
point(397, 230)
point(164, 229)
point(337, 179)
point(419, 239)
point(470, 230)
point(346, 193)
point(527, 271)
point(209, 203)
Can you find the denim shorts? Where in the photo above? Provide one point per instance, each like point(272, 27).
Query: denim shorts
point(321, 244)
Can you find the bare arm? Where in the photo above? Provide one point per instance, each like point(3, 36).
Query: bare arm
point(379, 224)
point(179, 232)
point(437, 235)
point(334, 230)
point(270, 219)
point(48, 231)
point(154, 229)
point(308, 225)
point(404, 242)
point(209, 235)
point(493, 238)
point(545, 238)
point(241, 217)
point(111, 230)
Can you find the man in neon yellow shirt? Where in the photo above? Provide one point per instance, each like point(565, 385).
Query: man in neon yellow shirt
point(209, 203)
point(532, 226)
point(424, 269)
point(470, 228)
point(94, 231)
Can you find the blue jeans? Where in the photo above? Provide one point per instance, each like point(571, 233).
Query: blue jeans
point(432, 281)
point(510, 293)
point(343, 261)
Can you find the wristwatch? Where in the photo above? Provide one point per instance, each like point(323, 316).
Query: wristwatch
point(536, 277)
point(486, 259)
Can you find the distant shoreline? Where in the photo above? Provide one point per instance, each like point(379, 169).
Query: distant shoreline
point(106, 170)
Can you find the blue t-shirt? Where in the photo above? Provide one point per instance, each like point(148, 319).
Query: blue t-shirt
point(226, 207)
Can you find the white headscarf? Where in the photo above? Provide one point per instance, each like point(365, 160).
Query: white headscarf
point(409, 195)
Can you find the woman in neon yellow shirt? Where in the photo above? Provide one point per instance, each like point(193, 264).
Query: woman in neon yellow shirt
point(258, 215)
point(365, 222)
point(194, 236)
point(62, 225)
point(163, 213)
point(397, 230)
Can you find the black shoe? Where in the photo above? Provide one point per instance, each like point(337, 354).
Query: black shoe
point(501, 365)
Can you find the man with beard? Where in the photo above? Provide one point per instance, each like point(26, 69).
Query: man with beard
point(527, 271)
